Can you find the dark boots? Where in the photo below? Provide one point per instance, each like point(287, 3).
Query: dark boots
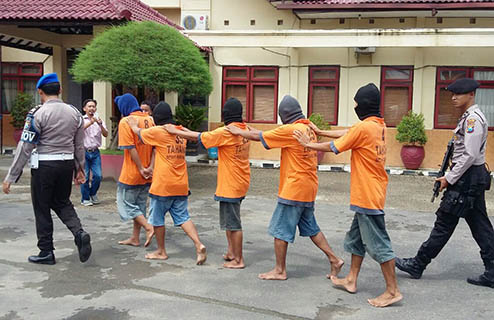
point(44, 257)
point(83, 242)
point(411, 266)
point(487, 278)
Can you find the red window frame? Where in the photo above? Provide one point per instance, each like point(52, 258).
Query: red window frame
point(20, 76)
point(440, 84)
point(249, 83)
point(396, 83)
point(331, 83)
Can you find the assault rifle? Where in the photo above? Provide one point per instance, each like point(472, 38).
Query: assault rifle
point(444, 167)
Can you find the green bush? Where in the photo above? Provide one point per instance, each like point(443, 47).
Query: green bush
point(189, 116)
point(22, 104)
point(411, 129)
point(144, 54)
point(320, 122)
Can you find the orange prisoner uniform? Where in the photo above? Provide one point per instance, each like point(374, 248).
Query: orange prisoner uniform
point(233, 162)
point(298, 167)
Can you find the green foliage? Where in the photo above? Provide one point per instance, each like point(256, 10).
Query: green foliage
point(146, 54)
point(319, 121)
point(22, 104)
point(189, 116)
point(411, 129)
point(111, 152)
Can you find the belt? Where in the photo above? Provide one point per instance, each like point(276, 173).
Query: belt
point(55, 157)
point(92, 149)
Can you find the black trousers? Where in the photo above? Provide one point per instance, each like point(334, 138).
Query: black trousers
point(445, 225)
point(51, 185)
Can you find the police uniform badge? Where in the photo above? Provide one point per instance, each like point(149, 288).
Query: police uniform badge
point(470, 125)
point(30, 134)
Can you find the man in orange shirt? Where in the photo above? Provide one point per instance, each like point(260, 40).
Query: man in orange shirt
point(135, 178)
point(369, 180)
point(233, 175)
point(170, 187)
point(297, 189)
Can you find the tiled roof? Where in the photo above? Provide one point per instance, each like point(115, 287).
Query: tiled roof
point(91, 10)
point(382, 4)
point(302, 2)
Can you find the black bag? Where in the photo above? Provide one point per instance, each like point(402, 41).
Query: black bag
point(455, 203)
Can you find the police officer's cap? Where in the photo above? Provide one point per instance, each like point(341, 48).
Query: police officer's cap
point(464, 85)
point(47, 78)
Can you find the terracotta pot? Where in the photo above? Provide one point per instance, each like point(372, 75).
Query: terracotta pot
point(111, 165)
point(17, 135)
point(412, 156)
point(320, 156)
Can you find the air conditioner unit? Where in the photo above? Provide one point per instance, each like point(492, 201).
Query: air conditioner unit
point(194, 21)
point(364, 49)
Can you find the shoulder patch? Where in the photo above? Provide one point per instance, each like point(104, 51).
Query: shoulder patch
point(470, 125)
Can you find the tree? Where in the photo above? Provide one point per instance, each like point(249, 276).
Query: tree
point(146, 54)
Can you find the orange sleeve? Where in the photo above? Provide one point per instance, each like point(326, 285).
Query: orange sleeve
point(216, 138)
point(352, 140)
point(278, 138)
point(126, 137)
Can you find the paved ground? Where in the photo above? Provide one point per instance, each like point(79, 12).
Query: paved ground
point(118, 283)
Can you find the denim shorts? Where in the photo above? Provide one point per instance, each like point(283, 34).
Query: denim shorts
point(368, 234)
point(131, 202)
point(286, 218)
point(160, 206)
point(230, 216)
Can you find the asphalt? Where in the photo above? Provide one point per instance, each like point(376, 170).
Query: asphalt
point(119, 283)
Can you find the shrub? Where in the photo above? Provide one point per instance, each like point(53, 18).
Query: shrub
point(22, 104)
point(320, 122)
point(411, 129)
point(189, 116)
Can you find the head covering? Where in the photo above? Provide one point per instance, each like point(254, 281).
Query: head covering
point(47, 78)
point(232, 111)
point(464, 85)
point(127, 104)
point(368, 101)
point(162, 114)
point(290, 110)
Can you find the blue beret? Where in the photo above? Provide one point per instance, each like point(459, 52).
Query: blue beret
point(47, 78)
point(464, 85)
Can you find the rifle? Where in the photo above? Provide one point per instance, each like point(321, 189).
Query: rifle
point(442, 171)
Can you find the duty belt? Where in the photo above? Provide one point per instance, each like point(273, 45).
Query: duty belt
point(55, 157)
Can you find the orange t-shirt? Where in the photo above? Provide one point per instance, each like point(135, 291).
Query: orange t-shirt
point(170, 169)
point(368, 178)
point(298, 167)
point(127, 140)
point(233, 162)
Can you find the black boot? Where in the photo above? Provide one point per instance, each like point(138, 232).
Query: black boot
point(44, 257)
point(83, 243)
point(410, 266)
point(487, 278)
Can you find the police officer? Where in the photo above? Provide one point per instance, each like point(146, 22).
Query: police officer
point(466, 183)
point(52, 140)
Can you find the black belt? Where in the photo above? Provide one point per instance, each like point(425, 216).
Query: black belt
point(92, 149)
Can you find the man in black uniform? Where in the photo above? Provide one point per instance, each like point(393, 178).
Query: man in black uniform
point(56, 130)
point(466, 183)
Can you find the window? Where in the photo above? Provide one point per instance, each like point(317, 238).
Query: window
point(446, 116)
point(323, 92)
point(256, 88)
point(396, 93)
point(19, 77)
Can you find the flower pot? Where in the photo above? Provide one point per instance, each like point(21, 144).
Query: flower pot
point(320, 156)
point(111, 165)
point(213, 153)
point(17, 135)
point(412, 156)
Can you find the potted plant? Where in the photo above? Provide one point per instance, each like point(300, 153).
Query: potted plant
point(322, 124)
point(191, 118)
point(22, 104)
point(411, 132)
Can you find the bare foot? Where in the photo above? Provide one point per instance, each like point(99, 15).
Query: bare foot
point(130, 242)
point(350, 287)
point(157, 255)
point(234, 264)
point(273, 275)
point(201, 256)
point(149, 237)
point(335, 268)
point(228, 257)
point(385, 299)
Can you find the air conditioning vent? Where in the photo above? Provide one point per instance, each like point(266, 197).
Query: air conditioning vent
point(194, 21)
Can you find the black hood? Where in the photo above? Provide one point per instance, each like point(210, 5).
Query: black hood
point(368, 100)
